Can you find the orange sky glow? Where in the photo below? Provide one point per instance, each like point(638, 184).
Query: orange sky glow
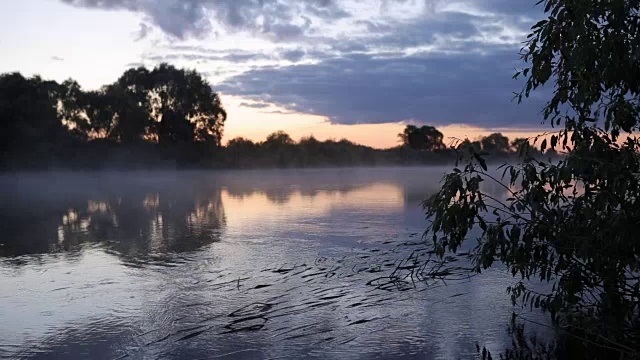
point(256, 124)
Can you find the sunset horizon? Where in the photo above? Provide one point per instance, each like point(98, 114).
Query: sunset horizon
point(381, 66)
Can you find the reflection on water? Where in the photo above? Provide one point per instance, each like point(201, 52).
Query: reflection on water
point(243, 264)
point(123, 217)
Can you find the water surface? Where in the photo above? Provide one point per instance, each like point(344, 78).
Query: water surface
point(230, 264)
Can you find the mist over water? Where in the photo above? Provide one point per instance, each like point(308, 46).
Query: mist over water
point(230, 264)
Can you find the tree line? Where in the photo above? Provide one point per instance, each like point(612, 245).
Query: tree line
point(170, 117)
point(419, 146)
point(164, 115)
point(431, 139)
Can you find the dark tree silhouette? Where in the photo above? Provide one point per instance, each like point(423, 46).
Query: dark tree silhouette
point(184, 106)
point(495, 143)
point(423, 138)
point(278, 139)
point(128, 99)
point(30, 128)
point(518, 142)
point(468, 145)
point(241, 152)
point(167, 114)
point(571, 223)
point(165, 105)
point(165, 117)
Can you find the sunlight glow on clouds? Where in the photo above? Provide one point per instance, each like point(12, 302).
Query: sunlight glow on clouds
point(298, 65)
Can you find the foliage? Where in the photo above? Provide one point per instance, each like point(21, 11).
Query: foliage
point(168, 117)
point(45, 123)
point(519, 143)
point(495, 143)
point(165, 105)
point(185, 106)
point(422, 138)
point(280, 150)
point(572, 222)
point(29, 123)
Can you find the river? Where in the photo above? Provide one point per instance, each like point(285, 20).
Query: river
point(231, 265)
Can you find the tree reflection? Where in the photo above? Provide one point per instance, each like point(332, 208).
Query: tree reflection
point(153, 214)
point(131, 223)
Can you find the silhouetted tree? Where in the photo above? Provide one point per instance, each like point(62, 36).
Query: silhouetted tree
point(423, 138)
point(279, 146)
point(467, 145)
point(30, 128)
point(518, 142)
point(166, 105)
point(278, 138)
point(128, 99)
point(310, 151)
point(184, 107)
point(495, 143)
point(571, 223)
point(241, 152)
point(177, 108)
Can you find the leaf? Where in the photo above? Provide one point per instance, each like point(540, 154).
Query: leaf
point(483, 224)
point(539, 24)
point(482, 162)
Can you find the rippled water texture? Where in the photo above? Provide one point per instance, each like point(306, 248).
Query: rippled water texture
point(242, 264)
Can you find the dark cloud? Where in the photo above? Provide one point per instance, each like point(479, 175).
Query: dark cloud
point(282, 20)
point(465, 77)
point(276, 19)
point(438, 89)
point(292, 55)
point(451, 63)
point(238, 58)
point(510, 7)
point(349, 46)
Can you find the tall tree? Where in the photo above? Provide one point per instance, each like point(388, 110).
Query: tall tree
point(165, 105)
point(573, 222)
point(279, 146)
point(30, 128)
point(185, 107)
point(495, 143)
point(128, 99)
point(278, 139)
point(240, 150)
point(422, 138)
point(518, 143)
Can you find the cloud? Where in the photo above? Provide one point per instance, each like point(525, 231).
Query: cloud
point(275, 19)
point(282, 20)
point(431, 61)
point(142, 32)
point(57, 58)
point(472, 89)
point(204, 57)
point(255, 105)
point(280, 112)
point(293, 55)
point(134, 65)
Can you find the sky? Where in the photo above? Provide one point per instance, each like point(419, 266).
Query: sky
point(355, 69)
